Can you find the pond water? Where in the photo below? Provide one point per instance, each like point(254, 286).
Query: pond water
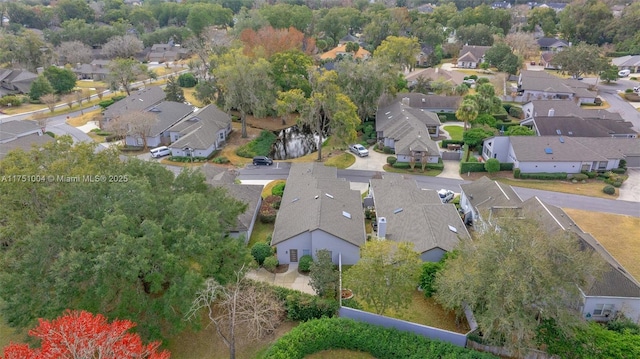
point(294, 142)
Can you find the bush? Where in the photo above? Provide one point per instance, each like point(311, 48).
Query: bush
point(267, 213)
point(260, 146)
point(278, 189)
point(388, 150)
point(383, 343)
point(303, 307)
point(391, 160)
point(516, 173)
point(106, 103)
point(492, 165)
point(544, 176)
point(51, 134)
point(260, 251)
point(428, 277)
point(445, 143)
point(270, 263)
point(305, 263)
point(221, 160)
point(516, 112)
point(402, 165)
point(608, 189)
point(119, 97)
point(471, 167)
point(506, 166)
point(591, 174)
point(579, 176)
point(447, 116)
point(273, 201)
point(187, 80)
point(10, 101)
point(619, 171)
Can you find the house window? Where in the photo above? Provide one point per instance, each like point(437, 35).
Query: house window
point(603, 310)
point(222, 135)
point(602, 165)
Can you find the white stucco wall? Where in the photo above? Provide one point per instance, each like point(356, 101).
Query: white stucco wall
point(300, 242)
point(629, 306)
point(497, 147)
point(407, 158)
point(317, 240)
point(551, 167)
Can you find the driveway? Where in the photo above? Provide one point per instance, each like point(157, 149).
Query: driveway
point(290, 279)
point(374, 162)
point(630, 189)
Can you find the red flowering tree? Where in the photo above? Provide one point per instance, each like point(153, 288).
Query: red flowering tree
point(80, 334)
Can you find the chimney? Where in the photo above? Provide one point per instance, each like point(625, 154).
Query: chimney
point(382, 227)
point(552, 112)
point(405, 101)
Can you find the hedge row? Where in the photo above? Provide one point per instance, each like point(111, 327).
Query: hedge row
point(544, 176)
point(382, 343)
point(506, 166)
point(471, 167)
point(452, 142)
point(448, 116)
point(407, 165)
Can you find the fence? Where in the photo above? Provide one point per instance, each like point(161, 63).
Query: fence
point(424, 330)
point(451, 155)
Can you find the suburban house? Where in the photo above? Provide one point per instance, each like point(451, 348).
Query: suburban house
point(341, 50)
point(251, 195)
point(471, 56)
point(22, 134)
point(453, 78)
point(615, 291)
point(501, 5)
point(424, 58)
point(97, 70)
point(552, 154)
point(350, 38)
point(166, 113)
point(416, 105)
point(408, 130)
point(575, 126)
point(201, 133)
point(318, 211)
point(15, 81)
point(539, 85)
point(407, 213)
point(629, 62)
point(140, 100)
point(546, 59)
point(551, 44)
point(557, 7)
point(167, 52)
point(483, 199)
point(550, 108)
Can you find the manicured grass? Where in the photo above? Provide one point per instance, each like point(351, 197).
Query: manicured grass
point(83, 119)
point(189, 96)
point(339, 353)
point(260, 233)
point(417, 171)
point(618, 234)
point(266, 191)
point(455, 132)
point(341, 161)
point(593, 188)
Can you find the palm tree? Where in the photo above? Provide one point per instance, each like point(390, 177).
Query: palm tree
point(467, 112)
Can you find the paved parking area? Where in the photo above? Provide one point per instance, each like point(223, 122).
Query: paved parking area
point(630, 189)
point(374, 162)
point(290, 279)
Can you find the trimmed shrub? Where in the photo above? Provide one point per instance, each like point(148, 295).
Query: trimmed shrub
point(471, 167)
point(506, 166)
point(51, 134)
point(106, 103)
point(610, 190)
point(388, 150)
point(119, 97)
point(544, 176)
point(303, 307)
point(221, 160)
point(516, 173)
point(260, 251)
point(619, 171)
point(447, 116)
point(278, 189)
point(187, 80)
point(383, 343)
point(402, 165)
point(492, 165)
point(391, 160)
point(591, 174)
point(579, 177)
point(267, 213)
point(10, 101)
point(305, 263)
point(270, 263)
point(516, 112)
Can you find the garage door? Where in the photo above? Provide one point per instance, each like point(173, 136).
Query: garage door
point(633, 161)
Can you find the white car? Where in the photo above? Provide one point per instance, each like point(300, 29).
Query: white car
point(469, 81)
point(359, 150)
point(445, 195)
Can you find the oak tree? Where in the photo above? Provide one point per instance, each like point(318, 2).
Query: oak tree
point(125, 47)
point(74, 52)
point(122, 72)
point(400, 51)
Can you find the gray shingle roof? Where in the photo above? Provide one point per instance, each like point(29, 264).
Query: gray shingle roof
point(484, 194)
point(416, 141)
point(569, 108)
point(472, 53)
point(199, 130)
point(168, 113)
point(532, 148)
point(397, 120)
point(25, 143)
point(615, 282)
point(137, 101)
point(16, 128)
point(424, 220)
point(315, 199)
point(579, 127)
point(249, 194)
point(552, 42)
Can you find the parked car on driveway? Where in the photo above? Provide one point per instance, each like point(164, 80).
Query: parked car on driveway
point(445, 195)
point(359, 150)
point(262, 160)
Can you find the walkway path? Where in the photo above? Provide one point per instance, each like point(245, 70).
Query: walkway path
point(291, 279)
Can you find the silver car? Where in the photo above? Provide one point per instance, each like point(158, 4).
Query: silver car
point(359, 150)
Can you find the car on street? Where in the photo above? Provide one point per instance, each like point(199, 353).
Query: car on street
point(359, 150)
point(445, 195)
point(262, 161)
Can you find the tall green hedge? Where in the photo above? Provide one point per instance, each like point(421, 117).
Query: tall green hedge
point(448, 116)
point(472, 167)
point(453, 142)
point(383, 343)
point(544, 175)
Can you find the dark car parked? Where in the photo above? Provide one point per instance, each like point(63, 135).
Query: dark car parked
point(262, 160)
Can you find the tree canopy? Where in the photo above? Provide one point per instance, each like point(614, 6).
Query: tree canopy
point(580, 59)
point(124, 239)
point(515, 277)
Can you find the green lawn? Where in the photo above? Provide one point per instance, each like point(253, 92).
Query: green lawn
point(260, 233)
point(341, 161)
point(455, 132)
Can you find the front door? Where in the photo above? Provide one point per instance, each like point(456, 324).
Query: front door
point(293, 255)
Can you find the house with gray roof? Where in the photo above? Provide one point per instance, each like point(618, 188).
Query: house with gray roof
point(539, 85)
point(453, 78)
point(318, 211)
point(167, 52)
point(616, 291)
point(575, 126)
point(201, 133)
point(550, 108)
point(141, 100)
point(471, 56)
point(484, 199)
point(15, 81)
point(406, 213)
point(21, 134)
point(166, 113)
point(629, 62)
point(97, 70)
point(552, 44)
point(553, 154)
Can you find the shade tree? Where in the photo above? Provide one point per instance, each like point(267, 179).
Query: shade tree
point(125, 47)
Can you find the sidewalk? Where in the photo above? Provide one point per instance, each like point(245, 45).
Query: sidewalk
point(290, 279)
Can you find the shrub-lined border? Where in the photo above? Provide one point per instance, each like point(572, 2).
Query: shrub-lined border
point(383, 343)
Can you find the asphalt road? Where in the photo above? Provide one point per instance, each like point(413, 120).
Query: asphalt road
point(564, 200)
point(609, 93)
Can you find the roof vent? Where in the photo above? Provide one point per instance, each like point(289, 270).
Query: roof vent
point(328, 195)
point(558, 132)
point(561, 139)
point(570, 133)
point(397, 210)
point(548, 150)
point(453, 229)
point(295, 200)
point(346, 214)
point(316, 197)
